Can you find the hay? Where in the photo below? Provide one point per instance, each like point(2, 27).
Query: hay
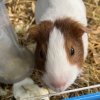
point(21, 14)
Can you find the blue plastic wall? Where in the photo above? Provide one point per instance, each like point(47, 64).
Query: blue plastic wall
point(93, 96)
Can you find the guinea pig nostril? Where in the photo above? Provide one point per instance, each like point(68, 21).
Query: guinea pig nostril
point(59, 84)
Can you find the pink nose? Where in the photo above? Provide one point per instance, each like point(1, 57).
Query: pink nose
point(59, 84)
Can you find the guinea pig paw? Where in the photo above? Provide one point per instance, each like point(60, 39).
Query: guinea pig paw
point(27, 90)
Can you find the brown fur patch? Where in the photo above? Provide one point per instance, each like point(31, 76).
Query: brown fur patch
point(40, 32)
point(42, 38)
point(69, 25)
point(73, 32)
point(77, 58)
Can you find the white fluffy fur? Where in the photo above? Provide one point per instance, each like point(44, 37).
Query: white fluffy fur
point(27, 90)
point(54, 9)
point(85, 44)
point(58, 68)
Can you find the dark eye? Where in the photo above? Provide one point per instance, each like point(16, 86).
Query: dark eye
point(72, 51)
point(42, 54)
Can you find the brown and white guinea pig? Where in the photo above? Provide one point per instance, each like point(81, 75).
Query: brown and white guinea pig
point(62, 41)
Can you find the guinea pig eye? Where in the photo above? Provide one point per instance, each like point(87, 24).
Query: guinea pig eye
point(72, 51)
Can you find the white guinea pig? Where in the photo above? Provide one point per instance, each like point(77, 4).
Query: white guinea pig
point(62, 41)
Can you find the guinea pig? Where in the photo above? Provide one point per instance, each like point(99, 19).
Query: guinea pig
point(62, 41)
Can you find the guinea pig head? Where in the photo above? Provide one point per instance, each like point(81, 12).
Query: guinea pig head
point(59, 52)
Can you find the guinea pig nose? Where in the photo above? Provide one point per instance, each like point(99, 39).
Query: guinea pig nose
point(59, 84)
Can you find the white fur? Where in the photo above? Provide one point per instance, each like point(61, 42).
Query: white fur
point(54, 9)
point(85, 44)
point(27, 90)
point(20, 91)
point(58, 68)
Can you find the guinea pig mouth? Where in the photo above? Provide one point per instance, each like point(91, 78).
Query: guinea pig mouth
point(69, 80)
point(49, 84)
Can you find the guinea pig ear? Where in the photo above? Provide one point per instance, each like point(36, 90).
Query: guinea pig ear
point(71, 26)
point(32, 33)
point(79, 29)
point(35, 32)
